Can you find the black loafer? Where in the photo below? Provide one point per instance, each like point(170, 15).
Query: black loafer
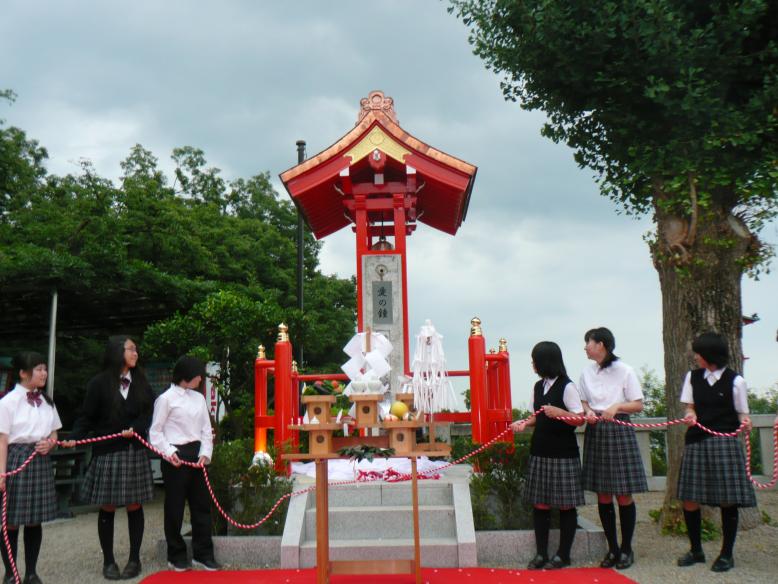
point(111, 572)
point(609, 560)
point(556, 563)
point(210, 565)
point(32, 579)
point(690, 558)
point(537, 562)
point(131, 570)
point(723, 564)
point(625, 560)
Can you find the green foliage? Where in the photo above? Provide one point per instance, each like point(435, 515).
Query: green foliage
point(674, 523)
point(496, 490)
point(365, 452)
point(247, 493)
point(197, 264)
point(659, 97)
point(655, 406)
point(330, 387)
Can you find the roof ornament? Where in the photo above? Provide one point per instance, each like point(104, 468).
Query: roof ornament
point(377, 101)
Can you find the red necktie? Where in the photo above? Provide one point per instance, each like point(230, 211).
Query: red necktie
point(34, 398)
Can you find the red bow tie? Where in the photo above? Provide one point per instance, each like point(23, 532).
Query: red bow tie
point(125, 382)
point(34, 398)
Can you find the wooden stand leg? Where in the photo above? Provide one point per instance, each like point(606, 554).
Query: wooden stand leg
point(416, 542)
point(322, 523)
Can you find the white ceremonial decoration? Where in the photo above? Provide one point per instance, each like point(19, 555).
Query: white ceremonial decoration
point(432, 390)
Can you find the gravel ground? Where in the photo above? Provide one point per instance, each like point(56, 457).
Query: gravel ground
point(655, 555)
point(71, 552)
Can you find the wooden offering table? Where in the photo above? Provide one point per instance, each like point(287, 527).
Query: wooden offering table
point(325, 567)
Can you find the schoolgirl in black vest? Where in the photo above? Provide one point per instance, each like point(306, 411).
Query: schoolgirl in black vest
point(713, 470)
point(554, 473)
point(28, 423)
point(119, 399)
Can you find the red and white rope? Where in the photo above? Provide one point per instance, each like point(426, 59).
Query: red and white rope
point(392, 476)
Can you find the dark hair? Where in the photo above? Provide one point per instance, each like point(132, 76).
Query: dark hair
point(187, 368)
point(604, 336)
point(713, 348)
point(113, 363)
point(27, 361)
point(547, 358)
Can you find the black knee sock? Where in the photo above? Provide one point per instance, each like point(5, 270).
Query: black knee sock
point(568, 521)
point(694, 528)
point(135, 524)
point(33, 536)
point(13, 538)
point(729, 521)
point(105, 534)
point(541, 519)
point(628, 517)
point(608, 520)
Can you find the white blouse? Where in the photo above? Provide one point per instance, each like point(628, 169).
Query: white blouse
point(602, 388)
point(23, 422)
point(181, 416)
point(739, 389)
point(570, 396)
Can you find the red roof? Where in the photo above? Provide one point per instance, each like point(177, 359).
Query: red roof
point(444, 182)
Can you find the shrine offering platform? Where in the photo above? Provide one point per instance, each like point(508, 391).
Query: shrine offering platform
point(429, 576)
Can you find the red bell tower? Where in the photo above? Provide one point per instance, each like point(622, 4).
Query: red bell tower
point(381, 181)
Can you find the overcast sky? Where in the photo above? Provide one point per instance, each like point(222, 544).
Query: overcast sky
point(541, 256)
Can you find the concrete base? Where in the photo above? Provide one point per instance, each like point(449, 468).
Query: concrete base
point(250, 551)
point(517, 548)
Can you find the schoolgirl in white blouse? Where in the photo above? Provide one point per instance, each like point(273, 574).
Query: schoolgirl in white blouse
point(181, 429)
point(28, 423)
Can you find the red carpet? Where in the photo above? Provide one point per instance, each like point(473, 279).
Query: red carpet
point(429, 576)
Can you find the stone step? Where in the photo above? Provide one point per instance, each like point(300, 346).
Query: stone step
point(386, 521)
point(389, 494)
point(439, 552)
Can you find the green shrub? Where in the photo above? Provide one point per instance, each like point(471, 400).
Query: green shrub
point(497, 489)
point(247, 492)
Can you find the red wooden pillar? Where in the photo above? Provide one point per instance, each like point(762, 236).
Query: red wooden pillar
point(283, 393)
point(505, 385)
point(260, 402)
point(476, 346)
point(360, 216)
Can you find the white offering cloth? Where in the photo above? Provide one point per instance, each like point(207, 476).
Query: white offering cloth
point(344, 470)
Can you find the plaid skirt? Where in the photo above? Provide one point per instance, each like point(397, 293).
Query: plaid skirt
point(119, 478)
point(31, 496)
point(554, 481)
point(611, 459)
point(713, 472)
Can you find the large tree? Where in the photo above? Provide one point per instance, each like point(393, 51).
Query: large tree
point(674, 105)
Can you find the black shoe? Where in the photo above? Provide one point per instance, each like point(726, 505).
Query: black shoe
point(690, 558)
point(32, 579)
point(723, 564)
point(131, 570)
point(537, 562)
point(210, 565)
point(179, 565)
point(625, 560)
point(111, 572)
point(609, 560)
point(556, 563)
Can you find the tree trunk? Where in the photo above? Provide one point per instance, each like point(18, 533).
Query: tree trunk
point(700, 272)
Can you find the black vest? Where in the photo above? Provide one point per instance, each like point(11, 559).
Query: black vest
point(552, 438)
point(714, 405)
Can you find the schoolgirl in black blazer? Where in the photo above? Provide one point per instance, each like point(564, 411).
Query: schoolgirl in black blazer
point(119, 399)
